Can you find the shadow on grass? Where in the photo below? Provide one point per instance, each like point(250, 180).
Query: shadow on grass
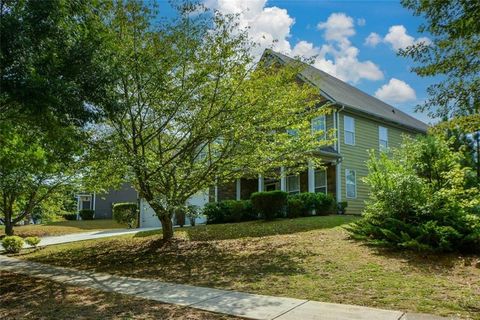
point(256, 228)
point(209, 264)
point(23, 297)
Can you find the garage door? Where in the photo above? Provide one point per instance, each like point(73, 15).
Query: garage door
point(148, 218)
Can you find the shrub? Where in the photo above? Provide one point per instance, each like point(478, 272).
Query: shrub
point(192, 212)
point(12, 244)
point(126, 213)
point(87, 214)
point(229, 211)
point(269, 205)
point(70, 216)
point(421, 199)
point(295, 207)
point(322, 204)
point(342, 207)
point(33, 241)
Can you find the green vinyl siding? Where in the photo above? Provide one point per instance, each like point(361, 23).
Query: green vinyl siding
point(355, 156)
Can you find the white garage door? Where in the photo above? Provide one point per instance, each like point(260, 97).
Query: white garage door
point(148, 218)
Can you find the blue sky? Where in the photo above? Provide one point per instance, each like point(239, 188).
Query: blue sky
point(335, 33)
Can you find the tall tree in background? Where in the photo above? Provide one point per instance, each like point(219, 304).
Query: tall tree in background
point(195, 109)
point(454, 55)
point(52, 73)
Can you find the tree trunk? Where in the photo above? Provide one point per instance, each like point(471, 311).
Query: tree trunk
point(8, 227)
point(167, 227)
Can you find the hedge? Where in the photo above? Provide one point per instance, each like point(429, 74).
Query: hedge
point(87, 214)
point(126, 213)
point(270, 205)
point(229, 211)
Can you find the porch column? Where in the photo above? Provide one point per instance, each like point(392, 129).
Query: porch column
point(283, 179)
point(260, 183)
point(238, 190)
point(311, 177)
point(216, 190)
point(338, 177)
point(93, 203)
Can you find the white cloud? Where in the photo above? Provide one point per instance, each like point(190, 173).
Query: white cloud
point(338, 27)
point(271, 26)
point(373, 39)
point(398, 38)
point(396, 91)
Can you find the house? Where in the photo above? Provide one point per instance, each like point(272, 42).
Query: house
point(361, 123)
point(102, 203)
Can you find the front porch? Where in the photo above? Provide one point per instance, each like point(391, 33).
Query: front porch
point(311, 180)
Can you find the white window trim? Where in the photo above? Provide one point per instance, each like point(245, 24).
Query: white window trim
point(380, 146)
point(324, 120)
point(288, 185)
point(326, 181)
point(346, 184)
point(345, 130)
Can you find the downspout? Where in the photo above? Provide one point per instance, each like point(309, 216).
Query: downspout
point(338, 167)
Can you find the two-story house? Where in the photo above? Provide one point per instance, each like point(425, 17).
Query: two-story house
point(361, 123)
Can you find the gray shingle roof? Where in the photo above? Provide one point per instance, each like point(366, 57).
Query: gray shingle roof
point(352, 98)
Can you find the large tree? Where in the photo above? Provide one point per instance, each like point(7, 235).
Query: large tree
point(34, 167)
point(453, 55)
point(193, 108)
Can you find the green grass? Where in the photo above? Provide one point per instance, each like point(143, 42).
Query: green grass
point(308, 258)
point(63, 227)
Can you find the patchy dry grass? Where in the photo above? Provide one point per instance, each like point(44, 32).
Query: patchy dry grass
point(23, 297)
point(63, 227)
point(308, 258)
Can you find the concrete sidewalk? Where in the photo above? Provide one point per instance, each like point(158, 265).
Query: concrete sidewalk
point(223, 301)
point(73, 237)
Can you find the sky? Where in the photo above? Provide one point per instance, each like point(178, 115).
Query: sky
point(355, 40)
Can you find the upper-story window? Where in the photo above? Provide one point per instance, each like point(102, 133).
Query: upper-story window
point(293, 184)
point(383, 138)
point(349, 130)
point(320, 124)
point(321, 181)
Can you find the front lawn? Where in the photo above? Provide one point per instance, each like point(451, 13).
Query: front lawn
point(309, 258)
point(23, 297)
point(63, 227)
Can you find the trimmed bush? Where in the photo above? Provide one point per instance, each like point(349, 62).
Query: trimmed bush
point(229, 211)
point(126, 213)
point(33, 241)
point(70, 216)
point(295, 207)
point(12, 244)
point(269, 205)
point(86, 214)
point(342, 207)
point(307, 202)
point(325, 205)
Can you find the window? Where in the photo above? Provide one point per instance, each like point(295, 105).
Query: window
point(319, 124)
point(351, 182)
point(293, 184)
point(321, 181)
point(349, 130)
point(383, 138)
point(292, 132)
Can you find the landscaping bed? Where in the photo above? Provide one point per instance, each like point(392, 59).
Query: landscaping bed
point(308, 258)
point(63, 227)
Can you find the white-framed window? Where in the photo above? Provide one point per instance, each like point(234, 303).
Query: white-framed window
point(349, 130)
point(321, 181)
point(320, 124)
point(351, 183)
point(293, 184)
point(292, 132)
point(382, 138)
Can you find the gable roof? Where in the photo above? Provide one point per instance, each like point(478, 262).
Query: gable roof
point(350, 97)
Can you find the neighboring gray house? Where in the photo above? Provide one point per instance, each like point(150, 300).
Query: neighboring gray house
point(102, 203)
